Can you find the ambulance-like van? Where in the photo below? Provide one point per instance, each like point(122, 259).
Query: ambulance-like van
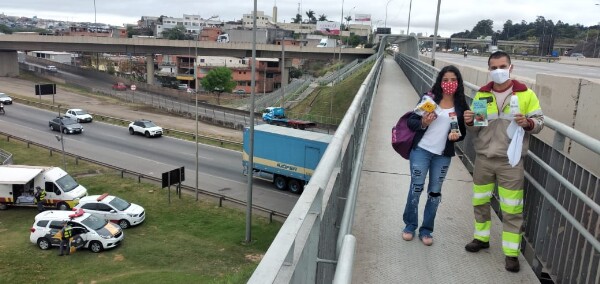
point(18, 183)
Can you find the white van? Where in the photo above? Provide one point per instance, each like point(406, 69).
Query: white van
point(88, 231)
point(17, 186)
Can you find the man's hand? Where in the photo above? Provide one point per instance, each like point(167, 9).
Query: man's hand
point(521, 120)
point(468, 115)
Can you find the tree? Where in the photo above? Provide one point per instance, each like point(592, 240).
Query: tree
point(218, 80)
point(178, 32)
point(311, 16)
point(348, 19)
point(483, 28)
point(297, 19)
point(295, 73)
point(323, 17)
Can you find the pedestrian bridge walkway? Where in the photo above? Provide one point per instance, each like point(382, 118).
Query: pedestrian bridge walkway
point(382, 256)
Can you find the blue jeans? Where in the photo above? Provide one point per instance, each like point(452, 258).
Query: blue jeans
point(422, 161)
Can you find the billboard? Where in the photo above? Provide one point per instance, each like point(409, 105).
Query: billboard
point(362, 17)
point(328, 28)
point(45, 89)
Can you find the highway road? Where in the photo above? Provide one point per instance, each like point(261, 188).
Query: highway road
point(220, 170)
point(527, 69)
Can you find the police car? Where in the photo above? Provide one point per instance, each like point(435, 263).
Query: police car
point(91, 232)
point(113, 209)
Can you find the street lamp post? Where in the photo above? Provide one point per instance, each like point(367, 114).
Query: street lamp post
point(250, 167)
point(437, 20)
point(409, 9)
point(386, 10)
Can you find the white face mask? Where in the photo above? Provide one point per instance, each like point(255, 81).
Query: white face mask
point(500, 76)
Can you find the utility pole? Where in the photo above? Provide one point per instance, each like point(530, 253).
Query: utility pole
point(250, 167)
point(435, 34)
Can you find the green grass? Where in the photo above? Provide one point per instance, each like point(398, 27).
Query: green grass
point(319, 103)
point(182, 242)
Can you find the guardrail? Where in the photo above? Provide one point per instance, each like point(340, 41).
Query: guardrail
point(124, 122)
point(220, 198)
point(561, 210)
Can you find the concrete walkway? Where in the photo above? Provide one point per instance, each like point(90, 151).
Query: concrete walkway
point(381, 254)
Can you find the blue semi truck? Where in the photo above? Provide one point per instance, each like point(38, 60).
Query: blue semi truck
point(288, 157)
point(276, 116)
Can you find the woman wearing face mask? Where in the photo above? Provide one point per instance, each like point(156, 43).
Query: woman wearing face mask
point(433, 147)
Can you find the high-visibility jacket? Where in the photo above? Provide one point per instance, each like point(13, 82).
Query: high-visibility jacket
point(492, 140)
point(67, 232)
point(42, 194)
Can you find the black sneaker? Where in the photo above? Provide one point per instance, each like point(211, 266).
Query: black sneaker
point(512, 264)
point(476, 245)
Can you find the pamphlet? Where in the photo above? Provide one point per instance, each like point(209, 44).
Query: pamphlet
point(454, 124)
point(427, 105)
point(480, 110)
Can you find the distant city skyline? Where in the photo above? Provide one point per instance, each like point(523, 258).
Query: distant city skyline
point(455, 16)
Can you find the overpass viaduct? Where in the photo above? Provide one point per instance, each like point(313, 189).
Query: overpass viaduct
point(484, 42)
point(9, 44)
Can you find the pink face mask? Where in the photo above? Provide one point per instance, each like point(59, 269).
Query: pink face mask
point(449, 87)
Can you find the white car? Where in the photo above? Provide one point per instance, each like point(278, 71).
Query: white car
point(113, 209)
point(79, 115)
point(88, 231)
point(145, 127)
point(5, 99)
point(52, 69)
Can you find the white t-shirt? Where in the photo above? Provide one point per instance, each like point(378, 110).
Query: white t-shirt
point(435, 137)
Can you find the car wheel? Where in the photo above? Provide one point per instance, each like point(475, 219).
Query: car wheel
point(64, 130)
point(280, 182)
point(44, 243)
point(295, 186)
point(124, 224)
point(63, 206)
point(147, 134)
point(131, 131)
point(52, 127)
point(96, 246)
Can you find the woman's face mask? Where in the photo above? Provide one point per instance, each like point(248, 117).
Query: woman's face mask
point(449, 87)
point(500, 76)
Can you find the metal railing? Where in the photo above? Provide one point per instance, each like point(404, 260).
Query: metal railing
point(561, 211)
point(310, 242)
point(271, 214)
point(6, 157)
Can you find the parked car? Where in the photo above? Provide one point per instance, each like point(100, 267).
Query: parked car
point(88, 231)
point(113, 209)
point(68, 125)
point(145, 127)
point(578, 55)
point(51, 69)
point(79, 115)
point(239, 92)
point(120, 86)
point(5, 99)
point(182, 87)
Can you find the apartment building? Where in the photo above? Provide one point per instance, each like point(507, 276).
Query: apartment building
point(262, 20)
point(193, 24)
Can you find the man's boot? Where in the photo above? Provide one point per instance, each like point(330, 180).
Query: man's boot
point(476, 245)
point(512, 264)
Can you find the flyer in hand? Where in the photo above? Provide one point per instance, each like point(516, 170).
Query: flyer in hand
point(480, 110)
point(454, 124)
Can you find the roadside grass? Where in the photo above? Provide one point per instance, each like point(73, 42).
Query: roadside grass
point(320, 103)
point(181, 242)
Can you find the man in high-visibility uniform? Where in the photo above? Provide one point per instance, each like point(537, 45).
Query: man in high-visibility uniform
point(491, 162)
point(40, 196)
point(65, 239)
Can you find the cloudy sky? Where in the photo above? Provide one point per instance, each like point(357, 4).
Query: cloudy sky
point(455, 15)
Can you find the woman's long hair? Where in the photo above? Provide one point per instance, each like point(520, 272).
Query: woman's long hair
point(459, 96)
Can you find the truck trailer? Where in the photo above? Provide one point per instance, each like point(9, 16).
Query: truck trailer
point(18, 183)
point(276, 116)
point(285, 156)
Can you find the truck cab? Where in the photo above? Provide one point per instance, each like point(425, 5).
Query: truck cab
point(17, 185)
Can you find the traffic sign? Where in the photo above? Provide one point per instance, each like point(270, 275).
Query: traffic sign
point(133, 87)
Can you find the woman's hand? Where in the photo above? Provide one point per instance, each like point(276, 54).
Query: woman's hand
point(453, 136)
point(427, 119)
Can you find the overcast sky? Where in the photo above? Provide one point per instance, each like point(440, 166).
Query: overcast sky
point(455, 15)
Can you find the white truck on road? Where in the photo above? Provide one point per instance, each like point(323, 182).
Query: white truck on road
point(18, 183)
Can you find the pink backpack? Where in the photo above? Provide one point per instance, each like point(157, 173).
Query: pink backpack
point(402, 136)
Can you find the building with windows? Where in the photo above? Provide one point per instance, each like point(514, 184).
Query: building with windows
point(193, 24)
point(262, 20)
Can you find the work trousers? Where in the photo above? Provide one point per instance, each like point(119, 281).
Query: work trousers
point(488, 172)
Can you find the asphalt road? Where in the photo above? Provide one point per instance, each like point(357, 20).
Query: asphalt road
point(527, 69)
point(220, 170)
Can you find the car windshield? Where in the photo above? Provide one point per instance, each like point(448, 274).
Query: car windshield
point(119, 203)
point(149, 124)
point(67, 183)
point(2, 95)
point(80, 112)
point(68, 121)
point(94, 222)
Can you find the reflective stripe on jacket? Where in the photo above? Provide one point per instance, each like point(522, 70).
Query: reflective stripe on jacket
point(492, 140)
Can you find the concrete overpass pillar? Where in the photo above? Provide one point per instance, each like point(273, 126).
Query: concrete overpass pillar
point(10, 63)
point(150, 69)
